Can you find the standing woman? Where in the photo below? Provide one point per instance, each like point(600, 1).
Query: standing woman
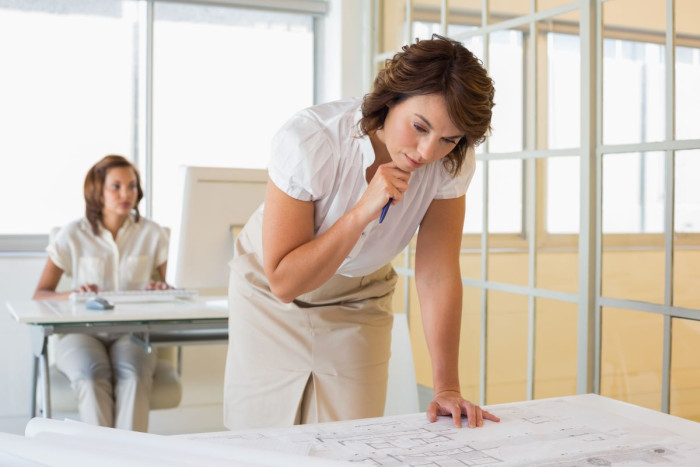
point(311, 280)
point(112, 248)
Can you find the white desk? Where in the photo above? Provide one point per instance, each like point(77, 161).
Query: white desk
point(566, 431)
point(200, 320)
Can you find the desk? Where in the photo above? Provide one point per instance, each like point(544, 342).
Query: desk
point(569, 431)
point(199, 320)
point(566, 431)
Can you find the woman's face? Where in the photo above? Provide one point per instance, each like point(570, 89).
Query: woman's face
point(418, 131)
point(120, 191)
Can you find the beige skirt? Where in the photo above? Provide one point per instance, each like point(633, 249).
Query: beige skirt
point(323, 357)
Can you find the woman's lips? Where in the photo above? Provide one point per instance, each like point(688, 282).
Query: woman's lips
point(412, 162)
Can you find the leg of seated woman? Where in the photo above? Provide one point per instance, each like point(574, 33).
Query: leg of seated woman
point(133, 373)
point(83, 359)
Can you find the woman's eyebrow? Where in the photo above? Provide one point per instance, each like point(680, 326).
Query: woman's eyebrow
point(427, 123)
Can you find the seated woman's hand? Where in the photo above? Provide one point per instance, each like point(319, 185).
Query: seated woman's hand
point(157, 285)
point(452, 403)
point(88, 288)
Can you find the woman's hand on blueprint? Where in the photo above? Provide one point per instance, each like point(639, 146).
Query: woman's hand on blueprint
point(452, 403)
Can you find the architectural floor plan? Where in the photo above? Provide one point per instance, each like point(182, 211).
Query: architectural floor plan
point(568, 431)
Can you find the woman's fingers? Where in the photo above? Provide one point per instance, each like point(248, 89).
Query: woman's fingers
point(456, 407)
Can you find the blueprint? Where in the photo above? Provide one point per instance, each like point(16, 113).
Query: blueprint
point(554, 432)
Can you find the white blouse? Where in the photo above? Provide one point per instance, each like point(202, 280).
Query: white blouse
point(122, 264)
point(318, 156)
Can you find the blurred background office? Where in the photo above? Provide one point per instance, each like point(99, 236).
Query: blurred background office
point(582, 233)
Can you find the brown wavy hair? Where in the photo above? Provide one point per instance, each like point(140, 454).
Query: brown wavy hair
point(94, 187)
point(435, 66)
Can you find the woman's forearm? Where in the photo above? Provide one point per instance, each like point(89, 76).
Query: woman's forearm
point(310, 265)
point(50, 295)
point(441, 314)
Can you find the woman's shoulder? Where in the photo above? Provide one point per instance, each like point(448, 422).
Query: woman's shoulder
point(324, 120)
point(443, 169)
point(331, 111)
point(77, 225)
point(71, 231)
point(147, 224)
point(448, 184)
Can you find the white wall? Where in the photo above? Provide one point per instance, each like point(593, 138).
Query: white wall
point(18, 278)
point(345, 35)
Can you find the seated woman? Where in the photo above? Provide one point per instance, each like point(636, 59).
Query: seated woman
point(112, 248)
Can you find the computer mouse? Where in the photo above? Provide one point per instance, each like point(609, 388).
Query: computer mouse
point(99, 303)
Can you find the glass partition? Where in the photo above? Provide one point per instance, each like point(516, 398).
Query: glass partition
point(555, 348)
point(631, 352)
point(506, 366)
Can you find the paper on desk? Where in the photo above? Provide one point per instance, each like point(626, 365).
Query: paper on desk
point(254, 440)
point(560, 432)
point(81, 441)
point(64, 450)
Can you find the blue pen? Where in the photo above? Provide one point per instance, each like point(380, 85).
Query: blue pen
point(385, 209)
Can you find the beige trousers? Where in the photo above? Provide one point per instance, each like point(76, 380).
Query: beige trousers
point(324, 357)
point(112, 377)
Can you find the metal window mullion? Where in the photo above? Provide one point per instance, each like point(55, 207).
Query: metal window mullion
point(586, 306)
point(598, 128)
point(669, 205)
point(666, 145)
point(317, 58)
point(520, 290)
point(484, 293)
point(530, 154)
point(407, 284)
point(514, 23)
point(408, 29)
point(443, 17)
point(483, 334)
point(313, 7)
point(655, 308)
point(531, 97)
point(148, 149)
point(376, 26)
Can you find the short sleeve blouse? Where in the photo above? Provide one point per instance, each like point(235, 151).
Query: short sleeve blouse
point(124, 263)
point(319, 156)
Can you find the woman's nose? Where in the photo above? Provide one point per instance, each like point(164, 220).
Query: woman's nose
point(428, 149)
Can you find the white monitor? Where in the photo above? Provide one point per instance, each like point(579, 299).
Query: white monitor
point(215, 201)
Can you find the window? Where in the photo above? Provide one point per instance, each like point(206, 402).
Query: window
point(633, 193)
point(225, 80)
point(68, 94)
point(73, 90)
point(633, 92)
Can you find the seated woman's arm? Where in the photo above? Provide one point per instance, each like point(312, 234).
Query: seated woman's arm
point(161, 284)
point(46, 289)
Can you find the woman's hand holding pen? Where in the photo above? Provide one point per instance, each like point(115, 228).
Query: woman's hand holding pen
point(452, 403)
point(388, 182)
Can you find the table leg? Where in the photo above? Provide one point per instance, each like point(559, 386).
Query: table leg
point(40, 349)
point(47, 384)
point(35, 376)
